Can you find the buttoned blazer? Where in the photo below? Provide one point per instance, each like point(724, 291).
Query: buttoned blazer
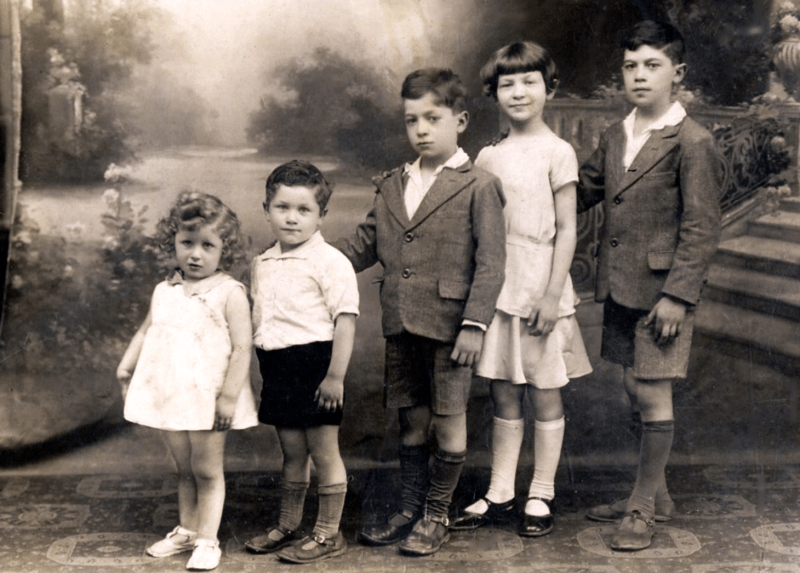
point(443, 266)
point(662, 215)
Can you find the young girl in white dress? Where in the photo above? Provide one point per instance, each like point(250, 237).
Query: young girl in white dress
point(534, 342)
point(186, 371)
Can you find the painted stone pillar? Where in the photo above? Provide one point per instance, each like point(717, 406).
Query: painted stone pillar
point(10, 114)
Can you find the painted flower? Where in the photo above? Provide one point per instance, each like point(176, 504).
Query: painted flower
point(789, 24)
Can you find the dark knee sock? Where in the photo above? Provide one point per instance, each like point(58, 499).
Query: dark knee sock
point(653, 455)
point(635, 428)
point(293, 498)
point(414, 471)
point(331, 505)
point(445, 472)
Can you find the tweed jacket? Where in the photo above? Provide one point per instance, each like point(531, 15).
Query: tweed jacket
point(662, 215)
point(443, 266)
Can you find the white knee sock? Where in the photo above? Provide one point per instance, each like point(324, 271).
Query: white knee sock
point(506, 442)
point(547, 440)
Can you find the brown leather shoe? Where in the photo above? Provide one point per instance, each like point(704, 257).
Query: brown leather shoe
point(496, 513)
point(427, 536)
point(314, 548)
point(634, 533)
point(267, 544)
point(665, 511)
point(395, 529)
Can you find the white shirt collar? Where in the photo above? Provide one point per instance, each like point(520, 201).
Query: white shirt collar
point(456, 160)
point(673, 116)
point(301, 252)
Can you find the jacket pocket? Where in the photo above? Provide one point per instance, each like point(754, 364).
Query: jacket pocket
point(454, 289)
point(660, 260)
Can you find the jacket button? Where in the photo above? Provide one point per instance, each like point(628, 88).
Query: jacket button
point(614, 242)
point(409, 237)
point(617, 200)
point(406, 273)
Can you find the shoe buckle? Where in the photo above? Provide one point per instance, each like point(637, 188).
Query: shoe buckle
point(443, 520)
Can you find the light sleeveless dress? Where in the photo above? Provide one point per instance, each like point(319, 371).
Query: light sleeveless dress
point(532, 169)
point(184, 359)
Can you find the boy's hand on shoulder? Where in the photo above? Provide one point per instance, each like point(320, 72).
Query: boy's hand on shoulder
point(330, 394)
point(666, 319)
point(467, 350)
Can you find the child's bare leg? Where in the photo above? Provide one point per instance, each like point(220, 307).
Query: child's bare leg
point(181, 449)
point(295, 478)
point(208, 451)
point(548, 439)
point(323, 444)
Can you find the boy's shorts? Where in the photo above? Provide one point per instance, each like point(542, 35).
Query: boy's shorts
point(629, 342)
point(291, 377)
point(419, 371)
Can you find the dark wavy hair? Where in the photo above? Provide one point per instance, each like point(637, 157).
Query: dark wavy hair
point(657, 34)
point(441, 82)
point(193, 210)
point(302, 173)
point(518, 58)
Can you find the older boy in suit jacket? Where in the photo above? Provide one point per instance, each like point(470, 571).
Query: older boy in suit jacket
point(437, 228)
point(658, 176)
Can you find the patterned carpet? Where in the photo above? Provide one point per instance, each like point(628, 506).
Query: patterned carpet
point(739, 519)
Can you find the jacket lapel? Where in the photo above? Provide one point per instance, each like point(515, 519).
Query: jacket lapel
point(448, 183)
point(658, 145)
point(392, 191)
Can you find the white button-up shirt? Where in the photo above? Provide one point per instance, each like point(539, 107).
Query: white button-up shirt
point(297, 295)
point(416, 190)
point(633, 145)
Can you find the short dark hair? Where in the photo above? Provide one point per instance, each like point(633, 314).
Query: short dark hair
point(441, 82)
point(516, 58)
point(300, 173)
point(657, 34)
point(193, 210)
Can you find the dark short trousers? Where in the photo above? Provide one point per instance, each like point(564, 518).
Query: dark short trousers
point(629, 342)
point(291, 377)
point(419, 371)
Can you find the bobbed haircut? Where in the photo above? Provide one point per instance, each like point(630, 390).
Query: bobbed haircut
point(443, 83)
point(302, 174)
point(656, 34)
point(193, 210)
point(518, 58)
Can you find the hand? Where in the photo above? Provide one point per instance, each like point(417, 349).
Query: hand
point(543, 316)
point(124, 379)
point(467, 350)
point(667, 319)
point(223, 415)
point(330, 394)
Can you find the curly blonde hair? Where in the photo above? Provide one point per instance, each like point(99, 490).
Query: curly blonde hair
point(193, 210)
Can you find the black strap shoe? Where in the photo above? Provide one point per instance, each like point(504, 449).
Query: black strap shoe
point(537, 525)
point(496, 513)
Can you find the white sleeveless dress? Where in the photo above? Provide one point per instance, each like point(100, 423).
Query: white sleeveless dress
point(184, 359)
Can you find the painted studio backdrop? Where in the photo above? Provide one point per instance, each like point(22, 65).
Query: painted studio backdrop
point(124, 103)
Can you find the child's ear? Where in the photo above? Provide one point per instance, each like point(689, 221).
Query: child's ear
point(680, 73)
point(463, 121)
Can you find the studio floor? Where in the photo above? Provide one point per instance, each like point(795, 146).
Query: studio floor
point(94, 500)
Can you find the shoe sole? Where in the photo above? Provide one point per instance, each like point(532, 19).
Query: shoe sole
point(538, 534)
point(421, 552)
point(292, 559)
point(261, 551)
point(170, 553)
point(366, 540)
point(658, 518)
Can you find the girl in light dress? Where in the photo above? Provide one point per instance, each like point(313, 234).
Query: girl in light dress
point(186, 371)
point(534, 343)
